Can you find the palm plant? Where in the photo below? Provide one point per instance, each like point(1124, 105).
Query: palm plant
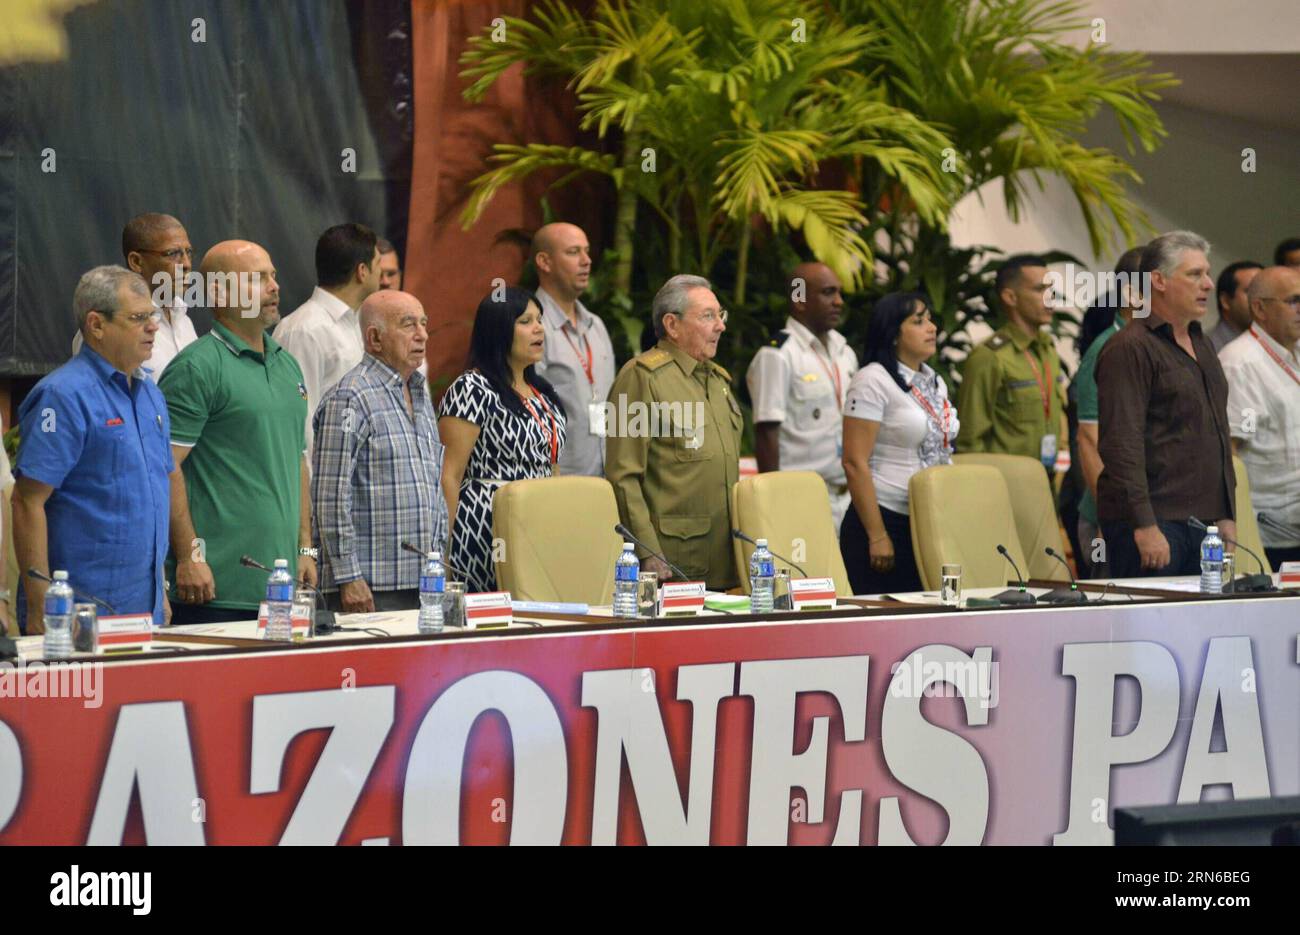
point(725, 111)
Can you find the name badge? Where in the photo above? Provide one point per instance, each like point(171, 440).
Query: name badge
point(1289, 574)
point(1047, 451)
point(596, 418)
point(812, 593)
point(123, 633)
point(488, 610)
point(681, 599)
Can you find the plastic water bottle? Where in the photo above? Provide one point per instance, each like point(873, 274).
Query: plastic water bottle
point(762, 576)
point(58, 618)
point(279, 603)
point(626, 571)
point(433, 586)
point(1212, 562)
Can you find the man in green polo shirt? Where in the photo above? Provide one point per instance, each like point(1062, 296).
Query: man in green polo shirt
point(238, 406)
point(1012, 396)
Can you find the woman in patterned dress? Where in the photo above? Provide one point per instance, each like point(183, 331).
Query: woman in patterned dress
point(897, 421)
point(500, 422)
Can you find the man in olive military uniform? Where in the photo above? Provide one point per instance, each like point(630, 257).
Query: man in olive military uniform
point(1012, 396)
point(673, 438)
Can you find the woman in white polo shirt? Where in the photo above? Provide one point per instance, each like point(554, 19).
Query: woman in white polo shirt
point(897, 421)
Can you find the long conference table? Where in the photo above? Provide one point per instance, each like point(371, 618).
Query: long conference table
point(887, 720)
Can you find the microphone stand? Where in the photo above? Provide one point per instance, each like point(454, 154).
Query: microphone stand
point(1246, 583)
point(627, 534)
point(1070, 595)
point(41, 576)
point(325, 620)
point(1013, 597)
point(744, 538)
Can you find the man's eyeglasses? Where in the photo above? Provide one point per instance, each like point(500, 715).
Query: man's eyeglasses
point(174, 255)
point(708, 317)
point(140, 319)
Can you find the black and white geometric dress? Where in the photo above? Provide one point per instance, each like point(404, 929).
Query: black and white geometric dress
point(510, 447)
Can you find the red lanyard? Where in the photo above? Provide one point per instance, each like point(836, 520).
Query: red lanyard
point(586, 364)
point(1272, 353)
point(940, 424)
point(554, 434)
point(1044, 387)
point(834, 373)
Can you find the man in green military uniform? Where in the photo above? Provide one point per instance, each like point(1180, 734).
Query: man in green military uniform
point(673, 445)
point(1012, 396)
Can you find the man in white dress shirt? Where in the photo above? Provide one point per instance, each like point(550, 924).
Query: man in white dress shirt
point(577, 356)
point(797, 385)
point(1263, 372)
point(324, 333)
point(157, 247)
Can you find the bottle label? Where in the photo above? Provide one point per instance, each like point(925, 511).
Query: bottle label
point(623, 572)
point(436, 584)
point(57, 606)
point(764, 568)
point(1211, 552)
point(279, 593)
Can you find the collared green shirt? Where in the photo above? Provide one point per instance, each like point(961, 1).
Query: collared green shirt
point(1000, 399)
point(243, 415)
point(1085, 400)
point(672, 453)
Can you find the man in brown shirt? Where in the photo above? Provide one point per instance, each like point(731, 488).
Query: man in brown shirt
point(1163, 426)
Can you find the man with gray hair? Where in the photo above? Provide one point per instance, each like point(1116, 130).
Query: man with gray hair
point(377, 465)
point(673, 442)
point(1163, 428)
point(94, 470)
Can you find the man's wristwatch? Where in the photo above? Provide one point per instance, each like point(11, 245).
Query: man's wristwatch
point(313, 554)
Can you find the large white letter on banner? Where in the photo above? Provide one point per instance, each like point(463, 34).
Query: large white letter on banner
point(151, 748)
point(359, 720)
point(1228, 683)
point(930, 760)
point(775, 686)
point(1094, 668)
point(629, 723)
point(431, 799)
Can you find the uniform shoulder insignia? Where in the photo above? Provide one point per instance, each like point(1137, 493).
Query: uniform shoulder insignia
point(722, 372)
point(779, 338)
point(654, 358)
point(996, 342)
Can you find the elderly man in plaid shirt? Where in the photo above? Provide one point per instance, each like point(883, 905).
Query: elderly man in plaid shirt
point(377, 465)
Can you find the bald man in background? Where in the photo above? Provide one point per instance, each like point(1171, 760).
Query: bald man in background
point(377, 465)
point(238, 409)
point(798, 381)
point(577, 357)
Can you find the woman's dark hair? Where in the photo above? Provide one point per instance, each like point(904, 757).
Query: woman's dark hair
point(490, 342)
point(887, 317)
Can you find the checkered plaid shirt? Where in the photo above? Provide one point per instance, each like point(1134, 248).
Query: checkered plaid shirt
point(376, 479)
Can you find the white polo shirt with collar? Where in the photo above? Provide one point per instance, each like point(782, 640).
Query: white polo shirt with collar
point(564, 365)
point(1264, 415)
point(324, 336)
point(801, 383)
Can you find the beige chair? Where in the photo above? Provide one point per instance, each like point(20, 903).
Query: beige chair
point(1032, 503)
point(792, 511)
point(559, 539)
point(1247, 524)
point(960, 513)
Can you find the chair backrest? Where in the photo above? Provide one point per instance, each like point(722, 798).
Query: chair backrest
point(1034, 508)
point(792, 511)
point(559, 539)
point(960, 513)
point(1247, 524)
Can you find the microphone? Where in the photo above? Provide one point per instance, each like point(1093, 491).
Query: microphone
point(1013, 596)
point(744, 538)
point(1246, 583)
point(1070, 595)
point(424, 553)
point(1291, 532)
point(86, 598)
point(627, 534)
point(325, 622)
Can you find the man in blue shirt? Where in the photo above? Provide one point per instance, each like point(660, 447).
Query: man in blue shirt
point(93, 487)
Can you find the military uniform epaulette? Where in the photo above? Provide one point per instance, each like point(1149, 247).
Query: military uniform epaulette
point(721, 371)
point(654, 358)
point(779, 338)
point(996, 342)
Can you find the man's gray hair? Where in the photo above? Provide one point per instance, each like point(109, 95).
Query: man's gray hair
point(1164, 253)
point(97, 291)
point(672, 298)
